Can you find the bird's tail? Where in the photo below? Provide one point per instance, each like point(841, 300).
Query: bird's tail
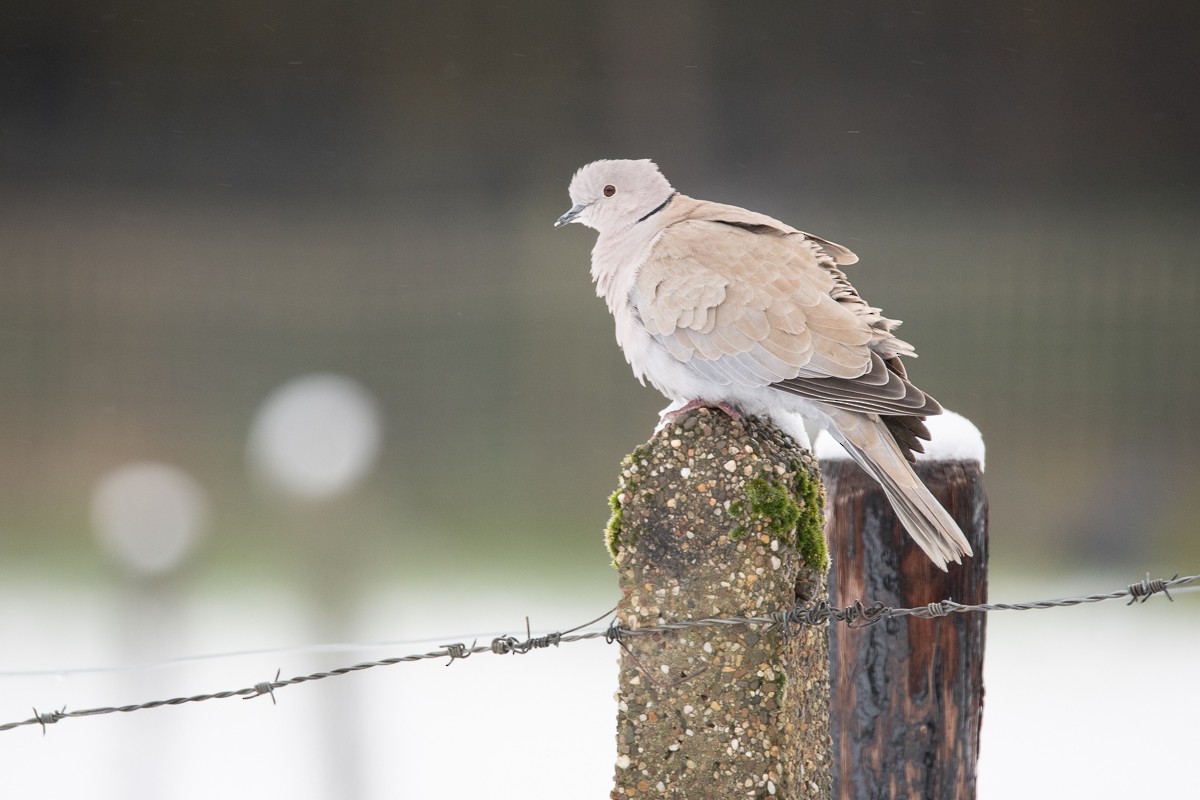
point(871, 445)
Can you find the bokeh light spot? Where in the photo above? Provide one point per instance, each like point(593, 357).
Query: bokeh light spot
point(148, 516)
point(316, 436)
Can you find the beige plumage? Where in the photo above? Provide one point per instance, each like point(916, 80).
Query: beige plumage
point(715, 304)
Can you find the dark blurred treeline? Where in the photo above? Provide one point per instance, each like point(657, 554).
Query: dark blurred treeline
point(200, 201)
point(357, 96)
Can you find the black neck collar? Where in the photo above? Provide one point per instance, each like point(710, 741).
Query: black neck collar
point(659, 208)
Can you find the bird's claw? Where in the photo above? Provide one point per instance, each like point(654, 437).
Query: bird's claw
point(675, 410)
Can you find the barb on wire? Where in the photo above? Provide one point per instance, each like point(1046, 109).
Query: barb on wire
point(819, 613)
point(458, 651)
point(1141, 591)
point(48, 718)
point(266, 687)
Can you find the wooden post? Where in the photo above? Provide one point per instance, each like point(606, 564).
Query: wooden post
point(907, 700)
point(717, 518)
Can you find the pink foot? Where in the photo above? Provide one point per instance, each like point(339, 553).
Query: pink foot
point(671, 415)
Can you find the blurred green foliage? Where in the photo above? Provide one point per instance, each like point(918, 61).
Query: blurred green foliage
point(202, 202)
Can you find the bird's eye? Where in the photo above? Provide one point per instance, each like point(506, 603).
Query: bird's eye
point(610, 190)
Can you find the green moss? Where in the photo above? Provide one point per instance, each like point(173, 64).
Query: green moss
point(615, 529)
point(811, 544)
point(791, 514)
point(612, 533)
point(810, 529)
point(771, 501)
point(640, 454)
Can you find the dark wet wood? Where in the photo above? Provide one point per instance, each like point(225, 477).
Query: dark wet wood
point(907, 694)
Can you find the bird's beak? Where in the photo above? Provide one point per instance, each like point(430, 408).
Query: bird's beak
point(570, 216)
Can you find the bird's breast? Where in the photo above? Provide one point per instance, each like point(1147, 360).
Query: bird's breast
point(615, 264)
point(616, 260)
point(651, 361)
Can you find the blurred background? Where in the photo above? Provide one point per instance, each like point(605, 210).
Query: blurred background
point(291, 354)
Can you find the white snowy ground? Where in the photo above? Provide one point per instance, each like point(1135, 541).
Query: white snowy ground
point(1094, 702)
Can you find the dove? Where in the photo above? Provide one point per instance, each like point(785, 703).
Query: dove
point(716, 305)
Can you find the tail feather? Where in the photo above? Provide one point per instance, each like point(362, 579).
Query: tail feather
point(868, 441)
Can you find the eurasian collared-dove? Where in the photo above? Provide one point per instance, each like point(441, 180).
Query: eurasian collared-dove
point(717, 305)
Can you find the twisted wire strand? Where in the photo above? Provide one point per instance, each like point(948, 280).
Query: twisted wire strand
point(819, 613)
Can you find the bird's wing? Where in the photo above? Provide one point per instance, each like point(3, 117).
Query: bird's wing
point(753, 221)
point(754, 306)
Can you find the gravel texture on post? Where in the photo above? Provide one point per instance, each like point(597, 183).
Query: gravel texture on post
point(719, 518)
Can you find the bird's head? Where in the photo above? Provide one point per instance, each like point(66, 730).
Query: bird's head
point(609, 195)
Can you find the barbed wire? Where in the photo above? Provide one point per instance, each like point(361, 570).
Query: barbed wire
point(819, 613)
point(323, 648)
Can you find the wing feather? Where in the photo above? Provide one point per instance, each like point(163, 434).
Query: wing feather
point(754, 305)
